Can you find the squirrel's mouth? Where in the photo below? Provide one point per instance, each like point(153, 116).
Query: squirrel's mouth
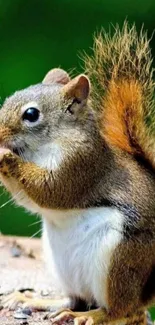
point(18, 150)
point(15, 150)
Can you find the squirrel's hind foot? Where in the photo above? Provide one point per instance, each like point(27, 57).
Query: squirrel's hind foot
point(27, 300)
point(12, 300)
point(94, 317)
point(63, 316)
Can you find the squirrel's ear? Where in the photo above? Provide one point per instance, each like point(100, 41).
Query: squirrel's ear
point(77, 88)
point(56, 76)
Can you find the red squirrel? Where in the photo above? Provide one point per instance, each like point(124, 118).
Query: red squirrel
point(80, 152)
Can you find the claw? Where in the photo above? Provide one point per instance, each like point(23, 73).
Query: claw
point(66, 315)
point(12, 301)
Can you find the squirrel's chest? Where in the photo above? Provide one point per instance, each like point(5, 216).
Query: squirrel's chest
point(80, 250)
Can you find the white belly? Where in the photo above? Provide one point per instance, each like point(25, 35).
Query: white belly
point(79, 245)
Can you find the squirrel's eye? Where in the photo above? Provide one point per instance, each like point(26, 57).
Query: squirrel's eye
point(31, 114)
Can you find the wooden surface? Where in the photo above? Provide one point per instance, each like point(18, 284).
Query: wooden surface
point(26, 271)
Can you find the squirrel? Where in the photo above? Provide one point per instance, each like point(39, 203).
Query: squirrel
point(80, 152)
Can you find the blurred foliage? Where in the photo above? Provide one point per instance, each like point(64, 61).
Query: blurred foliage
point(38, 35)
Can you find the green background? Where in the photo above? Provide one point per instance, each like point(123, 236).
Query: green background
point(36, 36)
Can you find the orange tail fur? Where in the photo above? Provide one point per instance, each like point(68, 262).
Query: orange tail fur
point(121, 74)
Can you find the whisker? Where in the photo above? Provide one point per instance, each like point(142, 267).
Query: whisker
point(2, 192)
point(4, 204)
point(34, 223)
point(10, 200)
point(36, 233)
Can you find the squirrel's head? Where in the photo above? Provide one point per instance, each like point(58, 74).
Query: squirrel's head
point(32, 117)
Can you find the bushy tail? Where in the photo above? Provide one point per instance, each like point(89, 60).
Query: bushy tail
point(121, 75)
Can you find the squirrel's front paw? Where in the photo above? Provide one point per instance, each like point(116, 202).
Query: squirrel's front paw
point(8, 162)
